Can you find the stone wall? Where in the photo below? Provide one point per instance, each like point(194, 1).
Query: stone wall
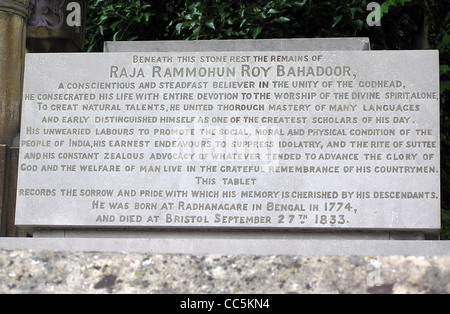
point(25, 271)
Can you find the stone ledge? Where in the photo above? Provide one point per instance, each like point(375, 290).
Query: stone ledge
point(287, 44)
point(25, 271)
point(206, 244)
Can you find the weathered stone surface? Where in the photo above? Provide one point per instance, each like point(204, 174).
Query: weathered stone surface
point(227, 243)
point(292, 44)
point(64, 272)
point(241, 148)
point(2, 185)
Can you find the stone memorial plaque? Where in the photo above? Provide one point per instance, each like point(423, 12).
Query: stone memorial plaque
point(257, 140)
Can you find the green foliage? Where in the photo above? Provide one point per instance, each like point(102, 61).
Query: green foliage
point(445, 235)
point(215, 19)
point(218, 19)
point(406, 24)
point(441, 40)
point(392, 3)
point(123, 20)
point(233, 20)
point(444, 46)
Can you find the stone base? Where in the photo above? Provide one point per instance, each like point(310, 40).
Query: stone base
point(23, 271)
point(197, 266)
point(233, 246)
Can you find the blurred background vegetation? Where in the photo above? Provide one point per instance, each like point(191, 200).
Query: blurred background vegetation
point(405, 24)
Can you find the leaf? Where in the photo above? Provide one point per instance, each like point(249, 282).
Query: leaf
point(273, 11)
point(445, 86)
point(147, 16)
point(91, 47)
point(299, 3)
point(353, 12)
point(391, 3)
point(197, 31)
point(178, 28)
point(103, 18)
point(243, 23)
point(115, 37)
point(444, 68)
point(445, 41)
point(336, 20)
point(358, 24)
point(210, 24)
point(256, 31)
point(224, 15)
point(114, 25)
point(282, 20)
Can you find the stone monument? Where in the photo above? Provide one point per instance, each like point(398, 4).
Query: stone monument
point(300, 169)
point(288, 142)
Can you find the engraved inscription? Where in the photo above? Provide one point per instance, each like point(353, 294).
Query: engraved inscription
point(316, 140)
